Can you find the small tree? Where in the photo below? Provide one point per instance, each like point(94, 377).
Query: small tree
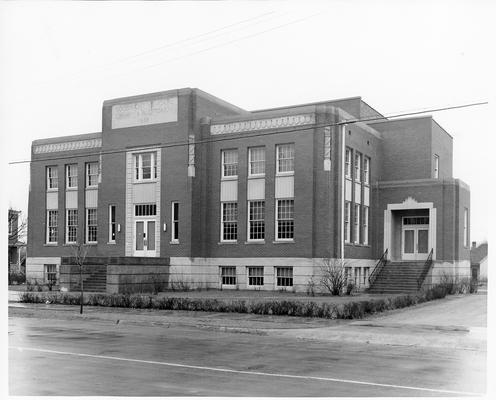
point(79, 252)
point(333, 276)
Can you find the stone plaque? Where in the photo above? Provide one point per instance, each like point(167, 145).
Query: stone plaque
point(147, 112)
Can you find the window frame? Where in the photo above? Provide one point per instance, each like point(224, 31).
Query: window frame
point(347, 222)
point(357, 166)
point(278, 159)
point(289, 278)
point(251, 161)
point(68, 227)
point(222, 222)
point(88, 226)
point(112, 214)
point(255, 277)
point(230, 268)
point(278, 238)
point(223, 164)
point(174, 222)
point(138, 166)
point(49, 178)
point(69, 177)
point(89, 175)
point(347, 163)
point(47, 273)
point(366, 170)
point(356, 224)
point(365, 225)
point(55, 227)
point(250, 221)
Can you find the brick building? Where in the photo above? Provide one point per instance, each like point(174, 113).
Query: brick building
point(207, 193)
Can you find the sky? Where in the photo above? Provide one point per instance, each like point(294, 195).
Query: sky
point(61, 60)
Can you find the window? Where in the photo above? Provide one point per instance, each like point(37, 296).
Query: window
point(145, 166)
point(52, 229)
point(366, 272)
point(285, 219)
point(175, 222)
point(112, 224)
point(285, 158)
point(71, 176)
point(357, 276)
point(255, 276)
point(91, 225)
point(365, 237)
point(436, 166)
point(52, 175)
point(228, 275)
point(465, 228)
point(366, 170)
point(256, 220)
point(256, 161)
point(347, 274)
point(356, 232)
point(91, 174)
point(416, 221)
point(229, 163)
point(51, 273)
point(347, 164)
point(71, 226)
point(145, 210)
point(347, 217)
point(284, 276)
point(358, 159)
point(229, 226)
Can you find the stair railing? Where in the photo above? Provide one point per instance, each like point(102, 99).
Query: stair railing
point(378, 267)
point(427, 267)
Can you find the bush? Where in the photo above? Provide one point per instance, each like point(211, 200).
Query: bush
point(16, 277)
point(333, 277)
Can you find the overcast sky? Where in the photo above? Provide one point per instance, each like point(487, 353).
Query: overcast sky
point(61, 60)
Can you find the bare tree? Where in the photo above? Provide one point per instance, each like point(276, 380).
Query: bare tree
point(333, 276)
point(79, 252)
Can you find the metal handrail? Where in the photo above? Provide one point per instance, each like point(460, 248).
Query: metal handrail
point(378, 267)
point(427, 267)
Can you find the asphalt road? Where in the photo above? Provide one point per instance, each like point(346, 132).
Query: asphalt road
point(59, 355)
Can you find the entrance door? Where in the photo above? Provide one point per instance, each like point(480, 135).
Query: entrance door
point(144, 238)
point(415, 238)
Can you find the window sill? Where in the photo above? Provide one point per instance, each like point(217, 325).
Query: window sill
point(71, 189)
point(174, 242)
point(285, 173)
point(255, 242)
point(256, 176)
point(92, 187)
point(283, 241)
point(111, 243)
point(52, 190)
point(228, 286)
point(138, 182)
point(229, 178)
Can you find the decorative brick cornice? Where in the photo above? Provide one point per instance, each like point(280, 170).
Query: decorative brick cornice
point(67, 146)
point(260, 124)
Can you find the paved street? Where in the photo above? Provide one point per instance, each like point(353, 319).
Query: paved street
point(54, 351)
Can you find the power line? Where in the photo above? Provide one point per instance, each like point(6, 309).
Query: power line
point(247, 136)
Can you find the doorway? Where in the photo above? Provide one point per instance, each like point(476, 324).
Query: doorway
point(415, 238)
point(144, 238)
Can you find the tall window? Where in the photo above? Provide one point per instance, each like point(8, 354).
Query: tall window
point(52, 226)
point(52, 175)
point(229, 226)
point(285, 158)
point(285, 219)
point(91, 174)
point(229, 163)
point(365, 237)
point(465, 227)
point(347, 163)
point(175, 222)
point(145, 166)
point(255, 276)
point(256, 161)
point(71, 176)
point(71, 221)
point(284, 276)
point(436, 166)
point(91, 225)
point(112, 224)
point(366, 170)
point(356, 231)
point(256, 220)
point(50, 273)
point(228, 275)
point(347, 217)
point(358, 159)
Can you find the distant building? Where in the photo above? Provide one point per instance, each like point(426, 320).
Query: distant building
point(223, 197)
point(478, 260)
point(17, 251)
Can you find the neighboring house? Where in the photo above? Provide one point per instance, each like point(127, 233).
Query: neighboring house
point(17, 249)
point(478, 261)
point(223, 197)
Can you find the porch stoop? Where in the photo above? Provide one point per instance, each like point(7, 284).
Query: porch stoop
point(398, 277)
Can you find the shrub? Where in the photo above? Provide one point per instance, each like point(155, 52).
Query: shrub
point(311, 286)
point(16, 277)
point(350, 288)
point(333, 277)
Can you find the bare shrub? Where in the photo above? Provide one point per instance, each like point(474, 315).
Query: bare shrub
point(333, 277)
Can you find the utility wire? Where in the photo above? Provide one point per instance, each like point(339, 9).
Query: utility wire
point(247, 136)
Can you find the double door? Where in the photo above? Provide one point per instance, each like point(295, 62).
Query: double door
point(144, 238)
point(415, 240)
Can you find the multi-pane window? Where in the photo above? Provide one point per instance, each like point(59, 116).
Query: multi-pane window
point(145, 210)
point(255, 276)
point(71, 176)
point(256, 220)
point(228, 275)
point(92, 174)
point(285, 158)
point(358, 159)
point(51, 273)
point(52, 226)
point(347, 163)
point(365, 238)
point(175, 222)
point(284, 276)
point(347, 217)
point(229, 163)
point(285, 219)
point(357, 276)
point(436, 166)
point(356, 231)
point(347, 274)
point(91, 225)
point(112, 224)
point(465, 227)
point(256, 161)
point(366, 274)
point(52, 175)
point(145, 166)
point(366, 170)
point(229, 226)
point(71, 226)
